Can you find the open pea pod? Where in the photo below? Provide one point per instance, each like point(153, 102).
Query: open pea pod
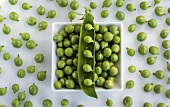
point(89, 90)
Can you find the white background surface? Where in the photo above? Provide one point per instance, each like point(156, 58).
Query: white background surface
point(43, 38)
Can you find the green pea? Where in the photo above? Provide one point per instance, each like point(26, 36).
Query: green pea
point(41, 10)
point(88, 54)
point(42, 25)
point(109, 102)
point(77, 29)
point(99, 37)
point(113, 71)
point(0, 70)
point(18, 61)
point(51, 14)
point(105, 65)
point(100, 81)
point(144, 5)
point(88, 26)
point(88, 39)
point(15, 88)
point(98, 70)
point(108, 36)
point(166, 44)
point(6, 29)
point(114, 57)
point(104, 13)
point(58, 38)
point(25, 36)
point(147, 104)
point(69, 29)
point(74, 5)
point(62, 3)
point(68, 52)
point(93, 5)
point(119, 3)
point(6, 56)
point(160, 11)
point(131, 68)
point(111, 78)
point(141, 19)
point(115, 48)
point(127, 101)
point(87, 68)
point(130, 84)
point(41, 75)
point(167, 54)
point(1, 47)
point(63, 33)
point(2, 18)
point(107, 3)
point(16, 43)
point(2, 105)
point(14, 16)
point(108, 84)
point(47, 103)
point(88, 82)
point(141, 36)
point(104, 44)
point(103, 29)
point(75, 61)
point(104, 74)
point(72, 15)
point(120, 15)
point(26, 6)
point(154, 50)
point(39, 58)
point(142, 49)
point(31, 44)
point(31, 21)
point(167, 93)
point(69, 62)
point(151, 60)
point(145, 73)
point(162, 105)
point(169, 10)
point(130, 51)
point(21, 73)
point(132, 27)
point(61, 64)
point(70, 84)
point(31, 69)
point(75, 75)
point(80, 106)
point(75, 39)
point(164, 33)
point(33, 89)
point(59, 73)
point(96, 27)
point(116, 39)
point(114, 30)
point(168, 66)
point(158, 89)
point(28, 104)
point(16, 103)
point(99, 56)
point(96, 45)
point(152, 23)
point(68, 70)
point(21, 96)
point(13, 2)
point(58, 85)
point(157, 2)
point(168, 21)
point(130, 7)
point(67, 43)
point(168, 82)
point(3, 91)
point(64, 102)
point(107, 52)
point(159, 74)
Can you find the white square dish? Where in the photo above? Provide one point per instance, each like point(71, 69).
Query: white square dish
point(118, 84)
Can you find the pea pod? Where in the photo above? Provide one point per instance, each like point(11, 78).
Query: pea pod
point(82, 75)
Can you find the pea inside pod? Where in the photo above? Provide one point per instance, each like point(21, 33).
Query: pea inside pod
point(87, 29)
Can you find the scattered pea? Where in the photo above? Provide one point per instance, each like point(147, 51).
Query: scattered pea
point(3, 91)
point(16, 103)
point(31, 69)
point(131, 68)
point(41, 75)
point(39, 58)
point(28, 104)
point(42, 25)
point(80, 106)
point(148, 87)
point(151, 60)
point(168, 66)
point(72, 15)
point(16, 43)
point(51, 14)
point(162, 105)
point(25, 36)
point(141, 20)
point(152, 23)
point(157, 2)
point(1, 47)
point(130, 51)
point(120, 15)
point(31, 44)
point(64, 102)
point(130, 7)
point(6, 29)
point(62, 3)
point(6, 56)
point(154, 50)
point(18, 61)
point(104, 13)
point(0, 70)
point(127, 101)
point(41, 10)
point(142, 49)
point(74, 5)
point(158, 89)
point(13, 2)
point(147, 104)
point(2, 18)
point(15, 88)
point(93, 5)
point(119, 3)
point(168, 21)
point(33, 89)
point(130, 84)
point(145, 73)
point(167, 54)
point(168, 82)
point(141, 36)
point(159, 74)
point(26, 6)
point(31, 21)
point(21, 73)
point(109, 102)
point(166, 44)
point(21, 96)
point(167, 93)
point(160, 11)
point(107, 3)
point(164, 33)
point(132, 27)
point(144, 5)
point(47, 103)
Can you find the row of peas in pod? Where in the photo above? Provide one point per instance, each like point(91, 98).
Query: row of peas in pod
point(105, 45)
